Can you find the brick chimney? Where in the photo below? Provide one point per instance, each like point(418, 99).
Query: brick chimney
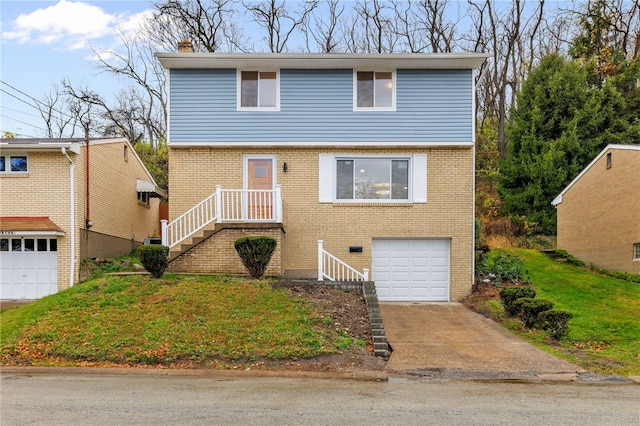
point(185, 46)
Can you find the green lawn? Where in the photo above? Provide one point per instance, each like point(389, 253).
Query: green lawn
point(604, 333)
point(176, 320)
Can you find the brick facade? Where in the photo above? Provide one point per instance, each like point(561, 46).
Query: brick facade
point(599, 215)
point(120, 222)
point(448, 213)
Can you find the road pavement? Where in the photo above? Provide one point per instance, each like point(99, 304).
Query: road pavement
point(225, 399)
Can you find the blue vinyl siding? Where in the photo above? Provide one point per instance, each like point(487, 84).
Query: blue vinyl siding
point(317, 106)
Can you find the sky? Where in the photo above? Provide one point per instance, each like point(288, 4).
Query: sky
point(44, 42)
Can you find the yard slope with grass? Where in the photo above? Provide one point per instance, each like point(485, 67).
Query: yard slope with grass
point(604, 333)
point(184, 321)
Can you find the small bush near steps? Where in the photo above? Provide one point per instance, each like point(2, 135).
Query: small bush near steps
point(530, 308)
point(508, 296)
point(554, 322)
point(255, 253)
point(154, 258)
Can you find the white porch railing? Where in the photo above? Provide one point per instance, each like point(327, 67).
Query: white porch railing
point(225, 205)
point(334, 269)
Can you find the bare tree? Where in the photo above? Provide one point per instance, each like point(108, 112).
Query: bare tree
point(507, 34)
point(425, 25)
point(377, 26)
point(323, 28)
point(208, 24)
point(55, 109)
point(278, 21)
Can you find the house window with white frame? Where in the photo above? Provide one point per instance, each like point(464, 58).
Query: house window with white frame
point(372, 179)
point(258, 90)
point(374, 90)
point(14, 164)
point(636, 251)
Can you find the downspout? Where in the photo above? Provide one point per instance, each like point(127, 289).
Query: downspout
point(88, 223)
point(72, 211)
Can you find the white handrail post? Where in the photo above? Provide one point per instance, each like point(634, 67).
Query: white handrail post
point(219, 203)
point(278, 215)
point(365, 272)
point(164, 231)
point(320, 256)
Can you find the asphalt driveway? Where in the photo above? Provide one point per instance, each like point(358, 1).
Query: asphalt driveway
point(450, 336)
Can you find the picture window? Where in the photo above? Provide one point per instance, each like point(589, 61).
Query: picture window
point(372, 179)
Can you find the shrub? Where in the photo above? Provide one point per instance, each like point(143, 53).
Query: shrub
point(503, 267)
point(255, 253)
point(530, 308)
point(509, 295)
point(555, 322)
point(154, 258)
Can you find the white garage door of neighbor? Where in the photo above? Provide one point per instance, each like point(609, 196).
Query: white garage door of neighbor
point(411, 270)
point(28, 267)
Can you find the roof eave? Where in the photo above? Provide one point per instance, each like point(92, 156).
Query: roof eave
point(322, 60)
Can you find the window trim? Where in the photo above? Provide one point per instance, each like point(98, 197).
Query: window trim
point(636, 252)
point(417, 188)
point(356, 108)
point(7, 163)
point(239, 106)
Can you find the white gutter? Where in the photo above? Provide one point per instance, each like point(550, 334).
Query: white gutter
point(73, 216)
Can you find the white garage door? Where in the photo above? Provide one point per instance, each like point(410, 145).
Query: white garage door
point(28, 267)
point(411, 269)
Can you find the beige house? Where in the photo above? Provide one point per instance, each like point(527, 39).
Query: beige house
point(62, 201)
point(599, 211)
point(361, 166)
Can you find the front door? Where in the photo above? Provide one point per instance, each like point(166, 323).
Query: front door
point(259, 183)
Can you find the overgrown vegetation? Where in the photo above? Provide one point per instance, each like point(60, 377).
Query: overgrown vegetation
point(594, 316)
point(175, 320)
point(255, 253)
point(501, 267)
point(154, 258)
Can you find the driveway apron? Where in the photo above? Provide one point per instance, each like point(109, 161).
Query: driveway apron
point(450, 336)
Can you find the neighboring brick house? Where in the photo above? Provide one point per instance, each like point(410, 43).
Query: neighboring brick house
point(373, 154)
point(61, 203)
point(599, 211)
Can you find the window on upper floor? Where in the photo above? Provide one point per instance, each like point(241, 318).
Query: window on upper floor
point(14, 164)
point(374, 178)
point(374, 90)
point(259, 90)
point(636, 251)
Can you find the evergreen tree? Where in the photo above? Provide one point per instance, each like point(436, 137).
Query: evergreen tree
point(561, 122)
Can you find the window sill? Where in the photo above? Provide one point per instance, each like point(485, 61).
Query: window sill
point(372, 204)
point(14, 175)
point(144, 205)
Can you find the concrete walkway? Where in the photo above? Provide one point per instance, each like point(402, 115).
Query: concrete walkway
point(449, 336)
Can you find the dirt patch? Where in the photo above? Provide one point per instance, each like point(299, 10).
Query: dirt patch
point(342, 310)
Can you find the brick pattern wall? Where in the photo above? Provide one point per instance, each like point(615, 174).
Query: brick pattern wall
point(599, 217)
point(448, 213)
point(218, 254)
point(43, 191)
point(114, 209)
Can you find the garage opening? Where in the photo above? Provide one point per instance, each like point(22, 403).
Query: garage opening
point(406, 270)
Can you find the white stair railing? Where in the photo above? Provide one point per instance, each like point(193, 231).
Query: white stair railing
point(334, 269)
point(224, 205)
point(191, 221)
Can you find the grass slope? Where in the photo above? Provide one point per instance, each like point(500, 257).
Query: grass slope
point(173, 321)
point(605, 330)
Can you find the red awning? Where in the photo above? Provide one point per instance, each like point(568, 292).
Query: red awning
point(28, 225)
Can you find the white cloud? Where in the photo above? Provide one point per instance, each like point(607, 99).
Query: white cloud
point(70, 24)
